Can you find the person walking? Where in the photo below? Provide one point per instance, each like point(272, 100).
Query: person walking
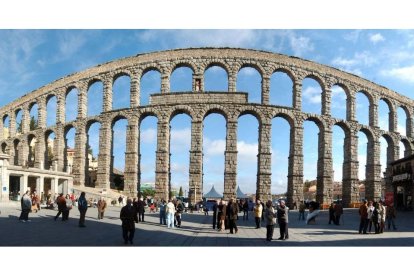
point(120, 200)
point(26, 205)
point(141, 209)
point(61, 203)
point(215, 207)
point(179, 208)
point(170, 211)
point(390, 216)
point(370, 212)
point(283, 220)
point(381, 216)
point(338, 212)
point(232, 211)
point(82, 207)
point(363, 214)
point(127, 217)
point(245, 210)
point(258, 210)
point(376, 218)
point(101, 208)
point(331, 213)
point(161, 205)
point(270, 217)
point(302, 207)
point(69, 203)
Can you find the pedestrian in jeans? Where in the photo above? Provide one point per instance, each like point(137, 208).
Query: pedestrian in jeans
point(82, 207)
point(170, 211)
point(270, 217)
point(162, 212)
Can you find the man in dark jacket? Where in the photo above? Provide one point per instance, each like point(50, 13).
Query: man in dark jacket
point(232, 212)
point(127, 216)
point(141, 209)
point(61, 203)
point(82, 207)
point(283, 219)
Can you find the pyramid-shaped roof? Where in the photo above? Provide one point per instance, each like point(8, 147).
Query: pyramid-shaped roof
point(213, 194)
point(240, 194)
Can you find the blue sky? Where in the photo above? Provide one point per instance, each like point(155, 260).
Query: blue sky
point(30, 59)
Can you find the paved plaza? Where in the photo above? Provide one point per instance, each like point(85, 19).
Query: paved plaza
point(196, 230)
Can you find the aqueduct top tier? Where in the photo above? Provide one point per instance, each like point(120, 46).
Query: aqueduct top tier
point(198, 103)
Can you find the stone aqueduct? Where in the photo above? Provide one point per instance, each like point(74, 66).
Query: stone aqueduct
point(198, 104)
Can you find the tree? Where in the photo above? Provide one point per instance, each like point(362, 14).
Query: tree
point(147, 192)
point(33, 123)
point(180, 193)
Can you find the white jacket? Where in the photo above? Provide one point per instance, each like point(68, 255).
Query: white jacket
point(170, 208)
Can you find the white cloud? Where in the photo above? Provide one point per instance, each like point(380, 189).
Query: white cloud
point(402, 73)
point(214, 147)
point(353, 36)
point(375, 38)
point(312, 94)
point(181, 137)
point(149, 135)
point(300, 44)
point(247, 151)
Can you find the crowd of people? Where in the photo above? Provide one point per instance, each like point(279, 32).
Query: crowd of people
point(374, 216)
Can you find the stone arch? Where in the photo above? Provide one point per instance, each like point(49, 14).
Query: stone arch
point(173, 82)
point(6, 126)
point(218, 74)
point(16, 151)
point(284, 80)
point(95, 90)
point(33, 108)
point(285, 116)
point(360, 109)
point(50, 113)
point(254, 87)
point(220, 64)
point(319, 122)
point(148, 69)
point(150, 76)
point(4, 148)
point(312, 98)
point(71, 103)
point(403, 125)
point(216, 109)
point(18, 117)
point(90, 122)
point(388, 125)
point(286, 71)
point(31, 143)
point(181, 110)
point(121, 81)
point(343, 95)
point(251, 111)
point(49, 152)
point(255, 65)
point(408, 150)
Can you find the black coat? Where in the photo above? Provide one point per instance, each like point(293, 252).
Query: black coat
point(127, 217)
point(141, 206)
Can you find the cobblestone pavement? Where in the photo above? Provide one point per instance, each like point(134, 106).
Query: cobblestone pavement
point(196, 230)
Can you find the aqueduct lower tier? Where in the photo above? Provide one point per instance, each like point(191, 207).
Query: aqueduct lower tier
point(199, 103)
